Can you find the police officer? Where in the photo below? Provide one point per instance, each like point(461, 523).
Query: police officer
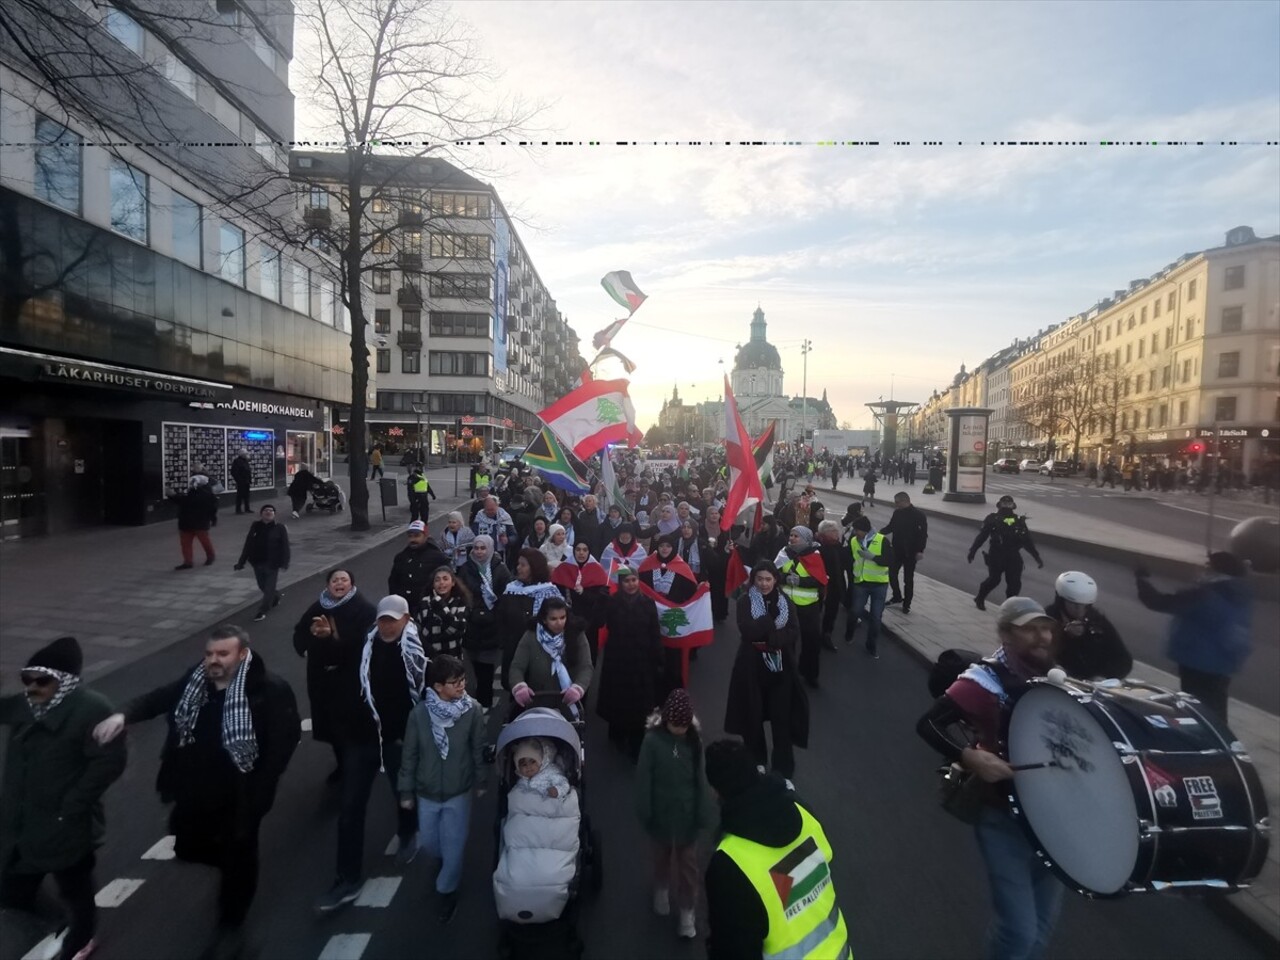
point(419, 491)
point(804, 578)
point(480, 479)
point(1009, 537)
point(768, 837)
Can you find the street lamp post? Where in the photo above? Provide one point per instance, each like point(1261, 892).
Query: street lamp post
point(805, 349)
point(419, 409)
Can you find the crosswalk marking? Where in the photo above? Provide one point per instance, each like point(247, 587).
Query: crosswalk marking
point(116, 892)
point(306, 725)
point(378, 892)
point(46, 949)
point(345, 946)
point(162, 850)
point(393, 846)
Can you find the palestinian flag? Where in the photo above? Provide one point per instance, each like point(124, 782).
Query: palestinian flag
point(762, 450)
point(623, 289)
point(800, 877)
point(560, 468)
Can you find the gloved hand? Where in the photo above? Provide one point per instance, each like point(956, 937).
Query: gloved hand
point(238, 566)
point(573, 694)
point(522, 694)
point(971, 558)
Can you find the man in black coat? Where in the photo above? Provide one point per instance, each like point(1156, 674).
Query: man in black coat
point(587, 528)
point(232, 729)
point(909, 528)
point(242, 477)
point(414, 566)
point(266, 549)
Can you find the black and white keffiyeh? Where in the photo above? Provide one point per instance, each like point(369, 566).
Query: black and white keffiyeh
point(66, 683)
point(538, 591)
point(759, 610)
point(415, 668)
point(444, 714)
point(238, 737)
point(328, 603)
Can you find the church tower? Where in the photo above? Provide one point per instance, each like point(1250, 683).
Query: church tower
point(757, 368)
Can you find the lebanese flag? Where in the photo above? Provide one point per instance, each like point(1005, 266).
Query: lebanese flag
point(593, 416)
point(744, 480)
point(683, 626)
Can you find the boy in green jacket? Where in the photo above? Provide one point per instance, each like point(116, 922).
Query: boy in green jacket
point(443, 758)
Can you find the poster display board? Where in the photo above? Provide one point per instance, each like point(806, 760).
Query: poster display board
point(188, 446)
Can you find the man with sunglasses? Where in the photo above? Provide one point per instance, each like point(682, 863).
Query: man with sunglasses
point(55, 776)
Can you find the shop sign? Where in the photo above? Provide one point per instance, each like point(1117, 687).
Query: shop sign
point(1236, 433)
point(122, 379)
point(272, 409)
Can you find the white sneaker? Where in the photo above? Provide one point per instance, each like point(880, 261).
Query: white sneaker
point(661, 902)
point(688, 928)
point(294, 514)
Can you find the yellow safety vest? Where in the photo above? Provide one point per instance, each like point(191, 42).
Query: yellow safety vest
point(801, 596)
point(868, 571)
point(794, 885)
point(420, 485)
point(482, 480)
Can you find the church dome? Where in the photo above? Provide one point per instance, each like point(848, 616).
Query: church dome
point(758, 352)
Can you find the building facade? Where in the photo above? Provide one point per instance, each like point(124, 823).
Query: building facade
point(146, 328)
point(467, 343)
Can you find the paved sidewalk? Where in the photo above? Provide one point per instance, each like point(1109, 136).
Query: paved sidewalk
point(943, 617)
point(116, 591)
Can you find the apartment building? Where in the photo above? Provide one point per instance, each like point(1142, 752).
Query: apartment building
point(147, 328)
point(466, 337)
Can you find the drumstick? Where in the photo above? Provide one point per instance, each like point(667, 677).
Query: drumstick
point(1035, 766)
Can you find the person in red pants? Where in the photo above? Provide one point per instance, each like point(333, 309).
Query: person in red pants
point(197, 513)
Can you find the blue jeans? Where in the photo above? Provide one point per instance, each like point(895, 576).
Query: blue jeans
point(1025, 894)
point(442, 832)
point(862, 592)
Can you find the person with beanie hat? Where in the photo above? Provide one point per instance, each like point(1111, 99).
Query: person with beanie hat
point(55, 776)
point(1211, 633)
point(804, 581)
point(674, 804)
point(769, 885)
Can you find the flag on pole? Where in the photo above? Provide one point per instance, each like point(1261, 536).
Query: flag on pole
point(619, 285)
point(737, 573)
point(613, 496)
point(561, 468)
point(683, 626)
point(762, 451)
point(744, 479)
point(595, 414)
point(603, 337)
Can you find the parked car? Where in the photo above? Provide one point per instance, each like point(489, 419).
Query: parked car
point(1029, 465)
point(1059, 468)
point(1005, 465)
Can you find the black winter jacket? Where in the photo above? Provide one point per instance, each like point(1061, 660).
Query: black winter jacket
point(197, 508)
point(411, 572)
point(266, 544)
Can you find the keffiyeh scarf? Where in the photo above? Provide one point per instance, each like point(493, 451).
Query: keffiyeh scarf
point(486, 584)
point(553, 647)
point(238, 737)
point(328, 603)
point(759, 610)
point(663, 578)
point(538, 591)
point(66, 683)
point(415, 669)
point(443, 714)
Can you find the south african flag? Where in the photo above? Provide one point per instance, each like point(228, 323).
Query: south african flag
point(800, 877)
point(560, 467)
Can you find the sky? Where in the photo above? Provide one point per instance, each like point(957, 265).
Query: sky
point(899, 263)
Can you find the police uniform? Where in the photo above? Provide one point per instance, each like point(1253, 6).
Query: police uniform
point(1009, 536)
point(419, 492)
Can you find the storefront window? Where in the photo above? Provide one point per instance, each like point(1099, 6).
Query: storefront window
point(300, 448)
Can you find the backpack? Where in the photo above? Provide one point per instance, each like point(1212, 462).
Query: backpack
point(950, 664)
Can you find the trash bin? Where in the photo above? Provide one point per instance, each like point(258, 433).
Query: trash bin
point(390, 487)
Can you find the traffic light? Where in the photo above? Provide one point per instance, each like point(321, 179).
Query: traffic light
point(1196, 448)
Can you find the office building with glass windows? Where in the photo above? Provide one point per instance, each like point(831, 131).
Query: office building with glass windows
point(148, 326)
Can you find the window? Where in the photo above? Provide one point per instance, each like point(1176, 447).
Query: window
point(1191, 289)
point(270, 273)
point(318, 198)
point(1128, 352)
point(1168, 338)
point(384, 361)
point(265, 147)
point(1186, 370)
point(328, 303)
point(231, 253)
point(1232, 319)
point(460, 204)
point(1164, 376)
point(1124, 420)
point(1155, 309)
point(262, 47)
point(1155, 343)
point(382, 246)
point(318, 241)
point(1131, 321)
point(1172, 300)
point(228, 12)
point(58, 157)
point(1182, 412)
point(411, 320)
point(1233, 278)
point(1148, 418)
point(382, 281)
point(1142, 349)
point(226, 113)
point(412, 242)
point(450, 364)
point(1224, 408)
point(382, 321)
point(1229, 364)
point(1108, 331)
point(1137, 383)
point(459, 324)
point(410, 361)
point(410, 202)
point(179, 74)
point(467, 286)
point(379, 204)
point(128, 200)
point(1143, 316)
point(1191, 329)
point(125, 29)
point(455, 246)
point(186, 230)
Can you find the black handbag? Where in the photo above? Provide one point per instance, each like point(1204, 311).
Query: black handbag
point(961, 793)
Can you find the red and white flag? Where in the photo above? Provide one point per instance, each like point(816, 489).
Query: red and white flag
point(594, 415)
point(683, 626)
point(745, 490)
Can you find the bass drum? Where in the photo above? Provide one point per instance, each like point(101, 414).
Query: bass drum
point(1143, 790)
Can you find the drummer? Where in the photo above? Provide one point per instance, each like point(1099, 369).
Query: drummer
point(1024, 892)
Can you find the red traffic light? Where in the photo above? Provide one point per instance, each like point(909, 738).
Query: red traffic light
point(1196, 447)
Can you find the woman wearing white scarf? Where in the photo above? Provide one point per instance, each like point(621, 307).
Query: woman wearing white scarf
point(520, 602)
point(456, 538)
point(550, 658)
point(556, 548)
point(443, 761)
point(486, 577)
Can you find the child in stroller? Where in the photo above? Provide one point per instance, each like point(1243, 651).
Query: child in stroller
point(325, 495)
point(545, 847)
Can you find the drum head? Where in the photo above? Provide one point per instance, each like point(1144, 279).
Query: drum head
point(1082, 814)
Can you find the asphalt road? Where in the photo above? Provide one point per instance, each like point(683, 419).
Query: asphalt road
point(908, 877)
point(1143, 631)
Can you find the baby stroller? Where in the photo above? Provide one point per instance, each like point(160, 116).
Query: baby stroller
point(538, 888)
point(325, 495)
